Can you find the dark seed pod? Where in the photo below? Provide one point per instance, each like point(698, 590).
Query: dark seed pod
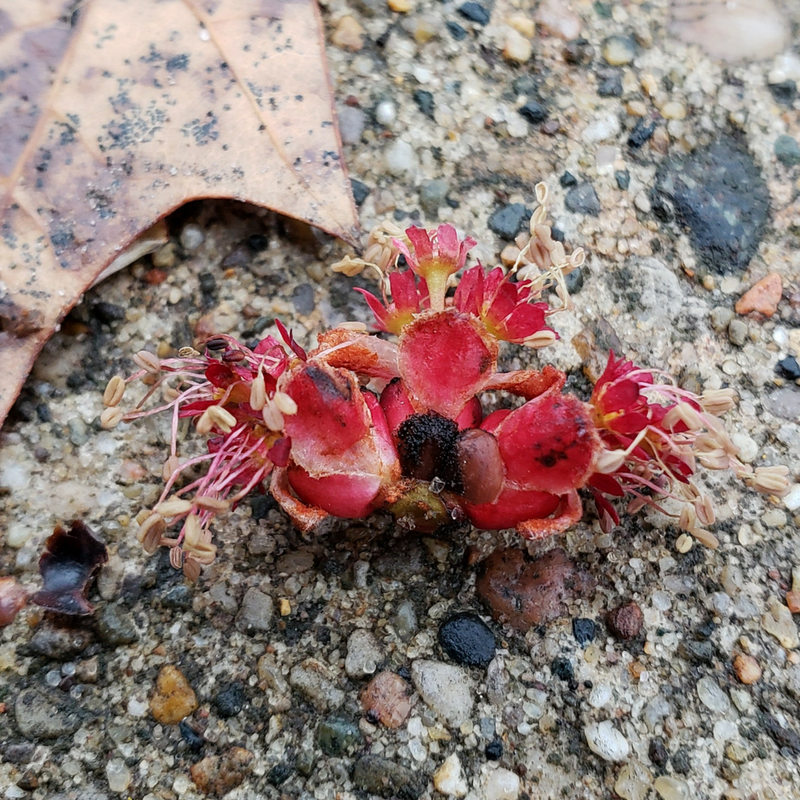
point(481, 466)
point(233, 356)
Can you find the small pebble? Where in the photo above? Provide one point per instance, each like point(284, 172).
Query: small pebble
point(313, 679)
point(499, 784)
point(400, 6)
point(363, 654)
point(623, 179)
point(737, 332)
point(763, 297)
point(385, 112)
point(351, 123)
point(633, 781)
point(641, 132)
point(424, 101)
point(583, 630)
point(670, 788)
point(578, 51)
point(173, 698)
point(625, 622)
point(507, 221)
point(400, 158)
point(610, 85)
point(788, 368)
point(721, 318)
point(778, 622)
point(467, 639)
point(787, 151)
point(673, 110)
point(533, 112)
point(348, 34)
point(256, 612)
point(475, 12)
point(192, 236)
point(449, 778)
point(220, 774)
point(746, 668)
point(606, 127)
point(556, 18)
point(583, 199)
point(446, 689)
point(386, 699)
point(619, 50)
point(606, 741)
point(118, 775)
point(712, 696)
point(517, 48)
point(230, 700)
point(432, 194)
point(337, 736)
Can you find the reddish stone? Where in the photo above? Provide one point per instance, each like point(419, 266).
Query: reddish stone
point(763, 297)
point(525, 592)
point(625, 622)
point(218, 775)
point(385, 699)
point(155, 276)
point(793, 602)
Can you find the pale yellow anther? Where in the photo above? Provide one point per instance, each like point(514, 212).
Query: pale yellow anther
point(173, 506)
point(609, 461)
point(114, 391)
point(192, 532)
point(258, 392)
point(204, 423)
point(272, 416)
point(211, 503)
point(221, 418)
point(111, 417)
point(148, 361)
point(188, 352)
point(150, 532)
point(683, 544)
point(718, 401)
point(540, 339)
point(771, 480)
point(171, 465)
point(285, 403)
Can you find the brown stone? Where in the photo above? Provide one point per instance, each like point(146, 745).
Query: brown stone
point(763, 297)
point(12, 598)
point(793, 601)
point(525, 592)
point(220, 774)
point(625, 622)
point(746, 668)
point(173, 698)
point(385, 699)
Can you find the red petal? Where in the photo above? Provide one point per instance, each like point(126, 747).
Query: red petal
point(444, 360)
point(395, 404)
point(512, 507)
point(629, 424)
point(220, 375)
point(549, 444)
point(376, 307)
point(471, 415)
point(607, 484)
point(621, 395)
point(494, 419)
point(344, 496)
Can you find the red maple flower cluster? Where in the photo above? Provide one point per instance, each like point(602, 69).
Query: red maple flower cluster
point(362, 423)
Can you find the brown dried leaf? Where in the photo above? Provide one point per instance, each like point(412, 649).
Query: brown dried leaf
point(115, 112)
point(67, 565)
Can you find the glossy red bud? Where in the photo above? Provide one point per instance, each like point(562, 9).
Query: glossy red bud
point(480, 465)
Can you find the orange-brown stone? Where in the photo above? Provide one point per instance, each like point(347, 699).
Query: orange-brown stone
point(793, 601)
point(763, 297)
point(173, 698)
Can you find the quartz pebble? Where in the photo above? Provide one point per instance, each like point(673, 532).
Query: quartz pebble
point(619, 50)
point(446, 689)
point(118, 775)
point(633, 781)
point(400, 158)
point(256, 612)
point(712, 696)
point(517, 48)
point(606, 741)
point(385, 112)
point(498, 784)
point(670, 788)
point(449, 778)
point(192, 236)
point(363, 654)
point(778, 622)
point(556, 18)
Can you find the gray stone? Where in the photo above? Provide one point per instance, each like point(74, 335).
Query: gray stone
point(720, 318)
point(387, 779)
point(737, 332)
point(787, 151)
point(336, 736)
point(785, 403)
point(583, 199)
point(43, 714)
point(192, 236)
point(509, 220)
point(313, 679)
point(405, 620)
point(59, 644)
point(718, 192)
point(115, 627)
point(432, 194)
point(256, 612)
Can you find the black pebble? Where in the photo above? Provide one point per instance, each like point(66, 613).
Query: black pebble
point(258, 242)
point(641, 133)
point(568, 179)
point(788, 368)
point(192, 738)
point(583, 630)
point(230, 701)
point(108, 312)
point(494, 750)
point(360, 191)
point(467, 639)
point(509, 220)
point(785, 93)
point(574, 281)
point(424, 101)
point(657, 751)
point(681, 762)
point(208, 284)
point(578, 51)
point(261, 505)
point(178, 597)
point(610, 86)
point(562, 668)
point(623, 178)
point(456, 31)
point(533, 112)
point(475, 12)
point(583, 199)
point(279, 774)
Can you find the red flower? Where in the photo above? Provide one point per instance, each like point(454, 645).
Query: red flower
point(437, 255)
point(408, 299)
point(503, 306)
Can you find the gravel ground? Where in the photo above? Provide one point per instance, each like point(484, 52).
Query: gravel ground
point(364, 661)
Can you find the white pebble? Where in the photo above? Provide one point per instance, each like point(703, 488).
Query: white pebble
point(669, 788)
point(712, 696)
point(602, 129)
point(606, 741)
point(448, 690)
point(137, 708)
point(386, 112)
point(17, 534)
point(499, 784)
point(725, 731)
point(399, 157)
point(792, 500)
point(748, 448)
point(600, 695)
point(192, 237)
point(363, 654)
